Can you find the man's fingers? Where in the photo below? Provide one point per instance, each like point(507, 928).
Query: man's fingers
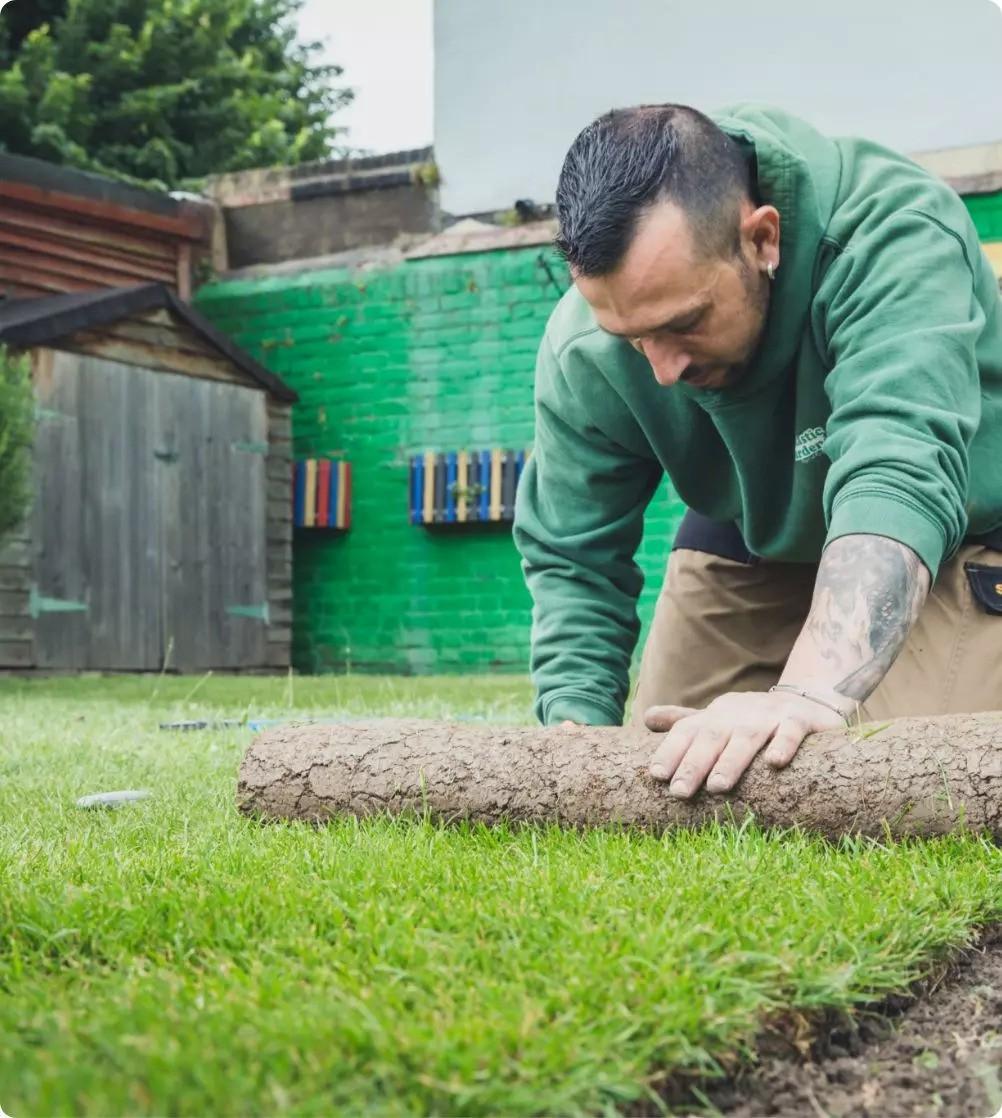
point(738, 754)
point(785, 743)
point(668, 755)
point(699, 758)
point(718, 745)
point(662, 719)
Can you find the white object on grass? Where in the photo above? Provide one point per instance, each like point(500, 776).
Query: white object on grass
point(111, 799)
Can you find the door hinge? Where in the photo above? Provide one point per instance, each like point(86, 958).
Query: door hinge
point(39, 604)
point(251, 448)
point(49, 413)
point(255, 613)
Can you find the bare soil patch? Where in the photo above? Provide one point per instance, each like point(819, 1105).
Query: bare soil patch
point(935, 1053)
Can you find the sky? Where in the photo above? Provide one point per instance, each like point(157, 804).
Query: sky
point(385, 47)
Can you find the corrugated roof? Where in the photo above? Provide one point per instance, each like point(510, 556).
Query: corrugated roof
point(98, 188)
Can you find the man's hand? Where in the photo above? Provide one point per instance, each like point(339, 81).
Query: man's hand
point(868, 593)
point(717, 744)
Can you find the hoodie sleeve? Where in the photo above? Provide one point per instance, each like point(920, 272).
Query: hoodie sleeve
point(579, 516)
point(901, 321)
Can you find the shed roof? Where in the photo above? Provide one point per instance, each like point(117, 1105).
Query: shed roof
point(39, 322)
point(67, 186)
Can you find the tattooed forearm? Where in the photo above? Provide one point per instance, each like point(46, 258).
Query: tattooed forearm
point(867, 596)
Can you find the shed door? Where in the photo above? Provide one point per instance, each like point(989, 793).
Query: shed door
point(149, 519)
point(213, 445)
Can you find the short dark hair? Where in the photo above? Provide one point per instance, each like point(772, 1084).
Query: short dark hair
point(628, 160)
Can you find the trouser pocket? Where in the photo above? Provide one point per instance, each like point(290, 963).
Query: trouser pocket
point(986, 585)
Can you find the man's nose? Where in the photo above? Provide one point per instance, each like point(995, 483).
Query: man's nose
point(668, 361)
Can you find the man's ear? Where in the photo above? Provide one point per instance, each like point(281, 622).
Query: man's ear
point(760, 228)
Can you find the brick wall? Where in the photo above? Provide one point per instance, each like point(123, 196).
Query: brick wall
point(986, 209)
point(434, 354)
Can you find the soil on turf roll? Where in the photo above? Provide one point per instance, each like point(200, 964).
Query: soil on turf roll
point(912, 776)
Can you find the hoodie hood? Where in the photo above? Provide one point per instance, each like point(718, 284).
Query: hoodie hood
point(797, 170)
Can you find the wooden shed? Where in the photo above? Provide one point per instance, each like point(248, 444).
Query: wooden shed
point(160, 535)
point(65, 230)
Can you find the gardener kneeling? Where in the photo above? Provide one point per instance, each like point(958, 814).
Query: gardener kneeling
point(825, 337)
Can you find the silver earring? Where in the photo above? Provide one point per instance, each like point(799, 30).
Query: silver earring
point(770, 270)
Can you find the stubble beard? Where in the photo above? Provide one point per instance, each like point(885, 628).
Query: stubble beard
point(758, 297)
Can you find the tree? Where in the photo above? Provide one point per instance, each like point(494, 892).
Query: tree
point(164, 92)
point(17, 403)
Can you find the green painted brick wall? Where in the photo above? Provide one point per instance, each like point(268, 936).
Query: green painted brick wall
point(986, 210)
point(435, 354)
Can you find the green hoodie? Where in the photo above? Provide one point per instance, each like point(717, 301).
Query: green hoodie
point(874, 406)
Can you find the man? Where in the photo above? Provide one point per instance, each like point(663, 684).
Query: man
point(806, 336)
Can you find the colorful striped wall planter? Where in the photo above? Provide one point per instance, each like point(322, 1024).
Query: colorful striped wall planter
point(465, 487)
point(322, 494)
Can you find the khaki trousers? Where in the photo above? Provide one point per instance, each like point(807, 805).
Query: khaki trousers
point(725, 625)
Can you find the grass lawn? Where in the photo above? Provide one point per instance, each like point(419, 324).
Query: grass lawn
point(173, 957)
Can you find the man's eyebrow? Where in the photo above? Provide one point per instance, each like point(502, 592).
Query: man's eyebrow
point(672, 324)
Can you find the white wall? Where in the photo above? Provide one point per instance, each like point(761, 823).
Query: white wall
point(385, 47)
point(516, 80)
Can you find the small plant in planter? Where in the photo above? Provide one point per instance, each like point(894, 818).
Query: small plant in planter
point(466, 492)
